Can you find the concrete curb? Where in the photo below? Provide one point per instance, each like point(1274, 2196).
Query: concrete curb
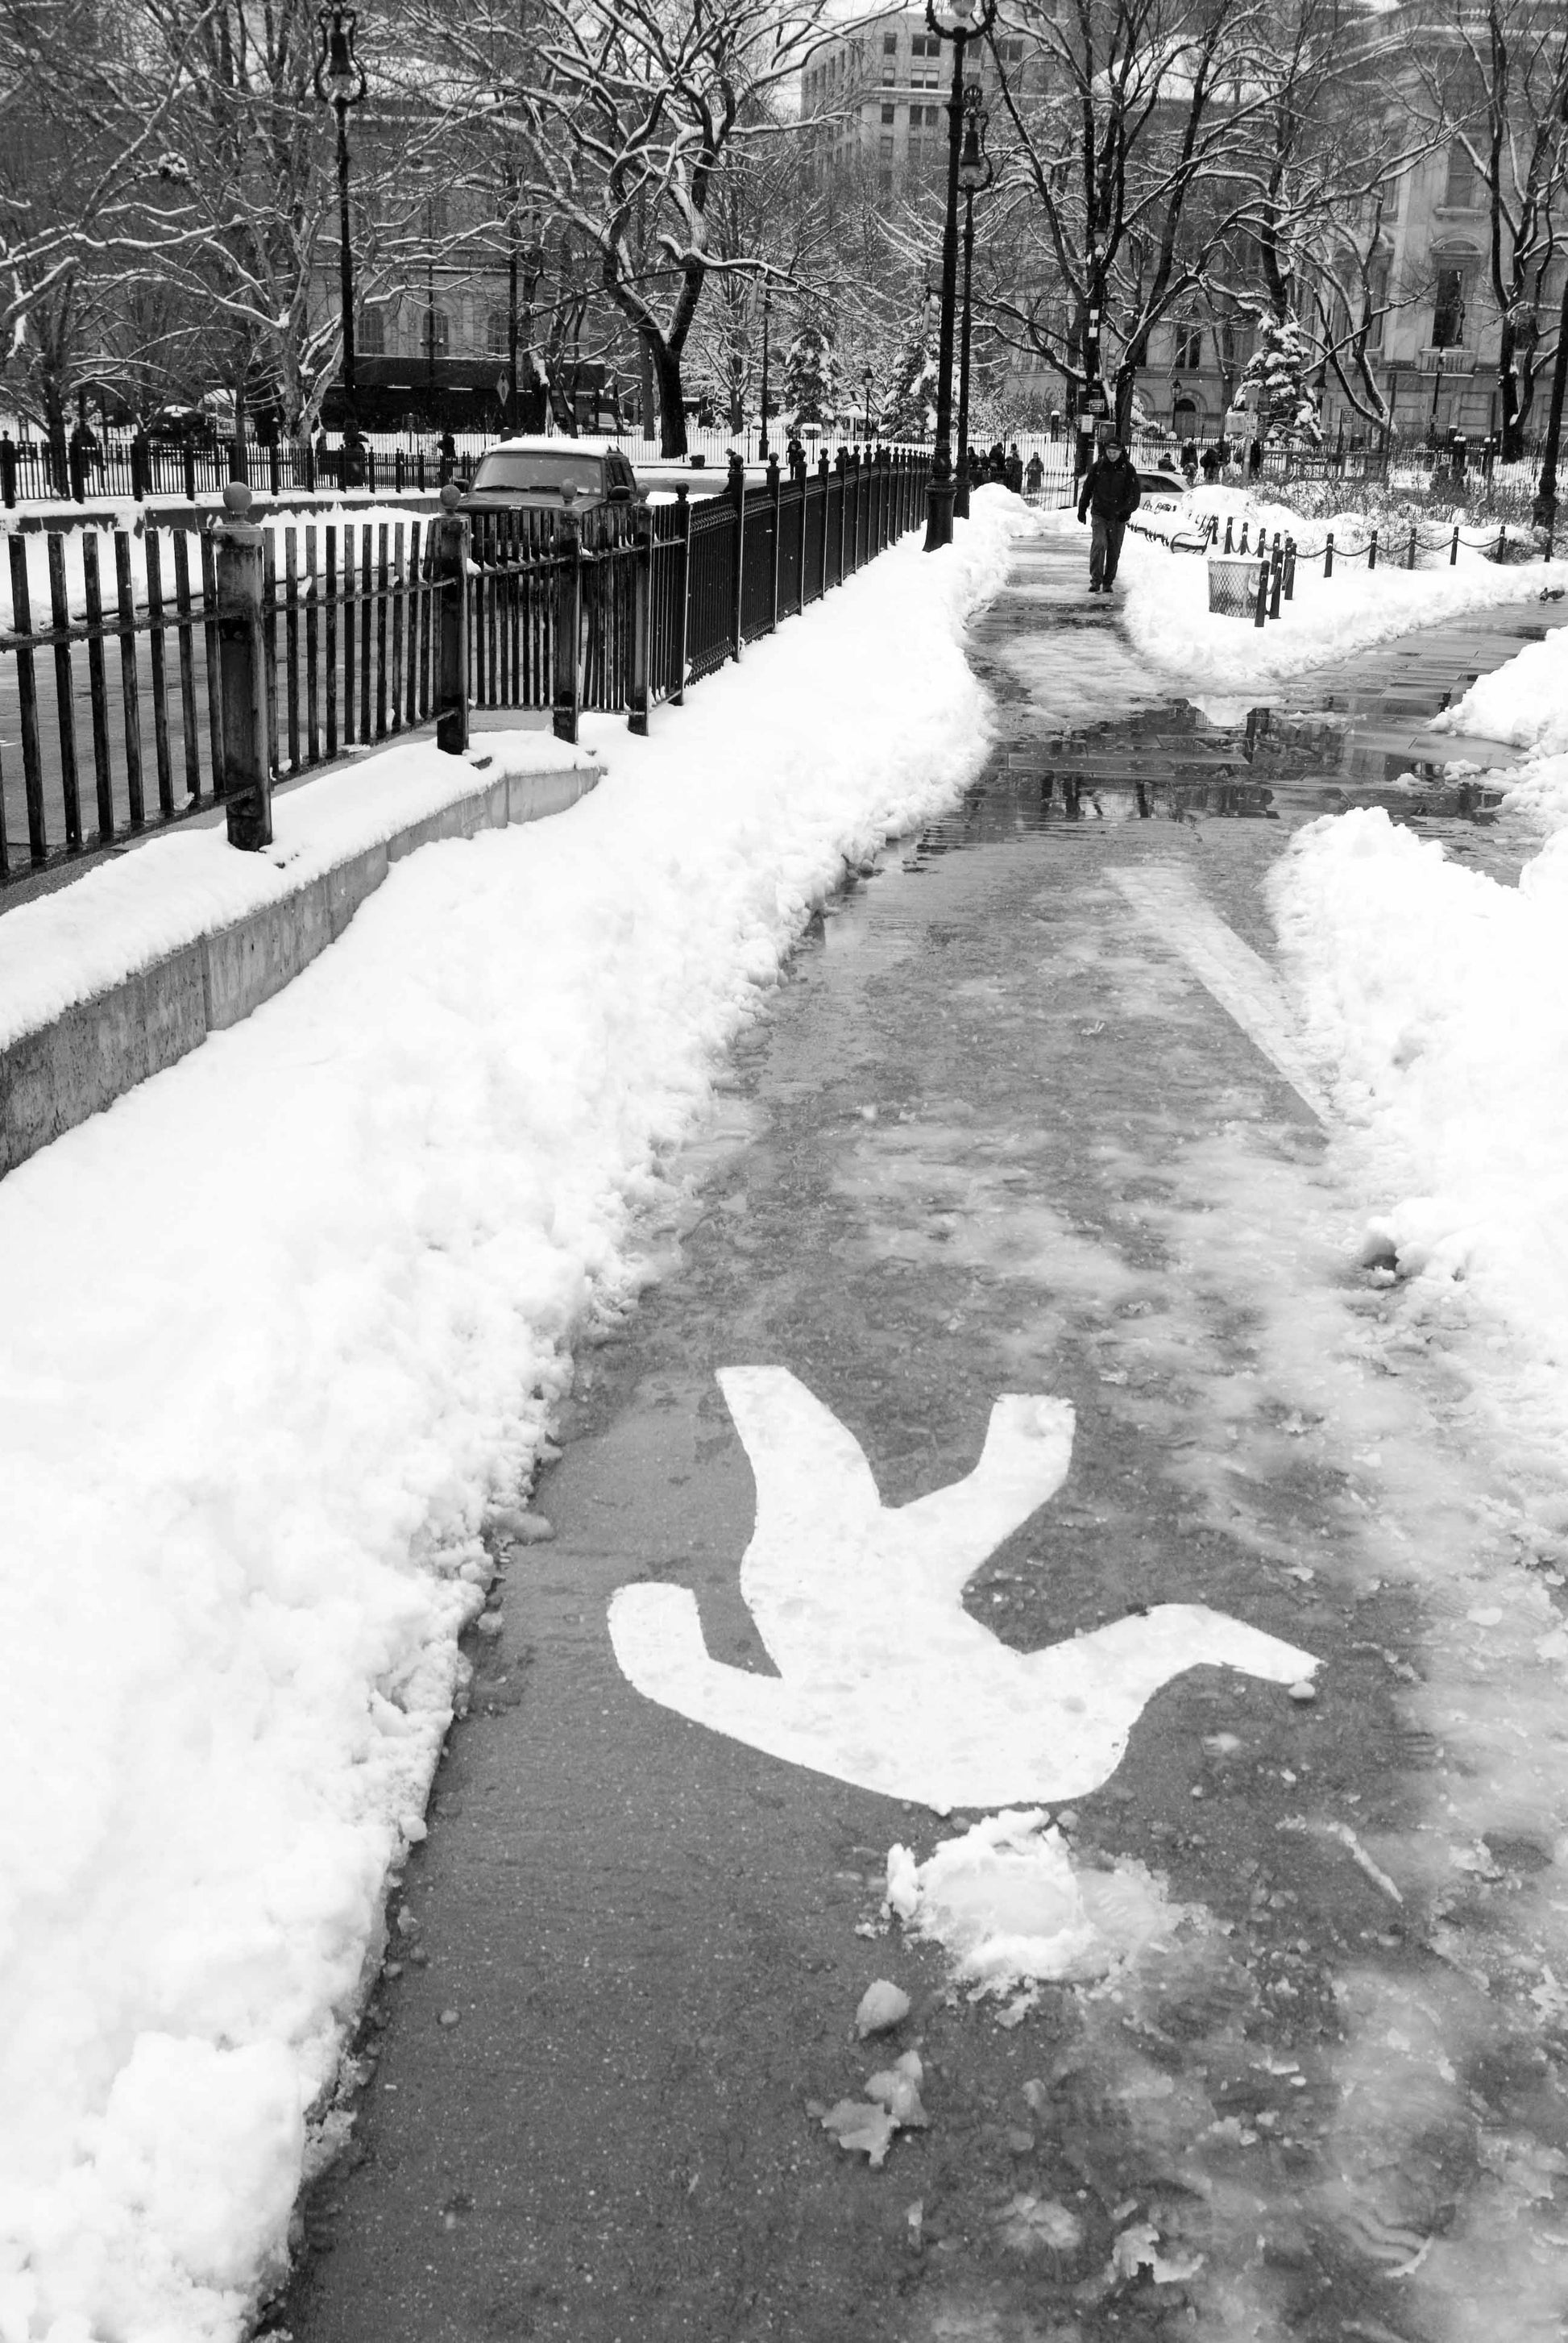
point(82, 1060)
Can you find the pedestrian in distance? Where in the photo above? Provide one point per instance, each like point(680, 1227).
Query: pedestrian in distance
point(1254, 459)
point(1034, 477)
point(996, 462)
point(1108, 497)
point(1189, 461)
point(1208, 463)
point(448, 451)
point(1013, 473)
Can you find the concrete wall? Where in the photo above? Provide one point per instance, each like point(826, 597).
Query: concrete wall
point(55, 1077)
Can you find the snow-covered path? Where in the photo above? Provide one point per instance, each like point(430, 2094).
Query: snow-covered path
point(279, 1329)
point(1034, 1116)
point(284, 1331)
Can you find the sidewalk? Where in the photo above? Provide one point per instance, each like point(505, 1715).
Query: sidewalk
point(1029, 1117)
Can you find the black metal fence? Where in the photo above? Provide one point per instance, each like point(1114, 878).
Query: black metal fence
point(33, 471)
point(111, 697)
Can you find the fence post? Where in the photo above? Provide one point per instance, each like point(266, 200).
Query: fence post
point(242, 674)
point(1289, 569)
point(776, 490)
point(1410, 557)
point(842, 466)
point(77, 465)
point(566, 697)
point(642, 644)
point(370, 467)
point(449, 572)
point(683, 590)
point(1261, 613)
point(397, 471)
point(421, 471)
point(1229, 518)
point(1453, 548)
point(1276, 568)
point(1328, 555)
point(822, 566)
point(737, 497)
point(1501, 541)
point(1371, 549)
point(8, 469)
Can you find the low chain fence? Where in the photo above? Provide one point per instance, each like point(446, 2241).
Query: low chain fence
point(241, 654)
point(1252, 579)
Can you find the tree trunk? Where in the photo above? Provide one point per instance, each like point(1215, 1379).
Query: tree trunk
point(672, 410)
point(1508, 394)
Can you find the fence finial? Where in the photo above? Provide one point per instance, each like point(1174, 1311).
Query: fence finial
point(451, 496)
point(237, 499)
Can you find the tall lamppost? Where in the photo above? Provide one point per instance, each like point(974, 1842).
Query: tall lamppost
point(340, 83)
point(1545, 511)
point(866, 379)
point(959, 22)
point(766, 317)
point(975, 174)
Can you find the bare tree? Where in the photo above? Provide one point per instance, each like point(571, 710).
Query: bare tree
point(628, 115)
point(1166, 154)
point(1492, 77)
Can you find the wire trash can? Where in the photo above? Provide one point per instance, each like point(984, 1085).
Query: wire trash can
point(1233, 584)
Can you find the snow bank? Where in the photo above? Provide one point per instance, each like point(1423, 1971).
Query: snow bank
point(1524, 702)
point(1438, 999)
point(278, 1326)
point(1166, 613)
point(124, 915)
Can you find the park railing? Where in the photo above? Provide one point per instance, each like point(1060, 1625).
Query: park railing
point(214, 662)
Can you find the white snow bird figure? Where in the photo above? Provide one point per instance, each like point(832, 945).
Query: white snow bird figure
point(884, 1680)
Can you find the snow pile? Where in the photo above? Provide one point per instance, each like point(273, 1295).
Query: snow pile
point(1165, 608)
point(1439, 999)
point(1525, 703)
point(124, 915)
point(278, 1328)
point(1013, 1910)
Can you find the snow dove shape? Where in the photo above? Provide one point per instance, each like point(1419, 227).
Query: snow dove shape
point(884, 1680)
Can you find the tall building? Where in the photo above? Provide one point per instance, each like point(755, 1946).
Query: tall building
point(877, 95)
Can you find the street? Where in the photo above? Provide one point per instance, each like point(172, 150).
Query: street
point(1027, 1116)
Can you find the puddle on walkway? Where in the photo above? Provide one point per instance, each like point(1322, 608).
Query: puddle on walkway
point(1107, 743)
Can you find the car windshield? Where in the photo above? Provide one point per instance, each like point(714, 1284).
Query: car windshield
point(525, 470)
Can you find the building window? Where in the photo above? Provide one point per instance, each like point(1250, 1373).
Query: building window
point(1010, 53)
point(1186, 347)
point(1377, 296)
point(498, 330)
point(889, 113)
point(1448, 310)
point(436, 335)
point(890, 44)
point(1462, 190)
point(373, 334)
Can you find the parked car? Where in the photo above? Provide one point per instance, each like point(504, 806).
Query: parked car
point(548, 475)
point(1160, 484)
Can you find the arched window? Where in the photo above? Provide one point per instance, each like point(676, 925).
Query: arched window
point(373, 334)
point(498, 330)
point(435, 333)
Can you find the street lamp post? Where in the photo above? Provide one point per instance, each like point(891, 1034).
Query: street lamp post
point(1545, 512)
point(974, 176)
point(767, 318)
point(867, 380)
point(959, 22)
point(340, 83)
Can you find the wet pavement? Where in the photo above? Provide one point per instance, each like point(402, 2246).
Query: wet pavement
point(1023, 1117)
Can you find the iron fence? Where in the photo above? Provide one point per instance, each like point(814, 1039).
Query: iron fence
point(112, 719)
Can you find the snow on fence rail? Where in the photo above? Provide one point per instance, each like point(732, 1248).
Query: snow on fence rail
point(357, 621)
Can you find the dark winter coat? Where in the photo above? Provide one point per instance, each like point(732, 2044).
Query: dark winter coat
point(1111, 490)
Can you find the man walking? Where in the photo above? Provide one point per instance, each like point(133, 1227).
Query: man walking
point(1110, 494)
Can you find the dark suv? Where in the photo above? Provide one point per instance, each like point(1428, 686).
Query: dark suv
point(549, 475)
